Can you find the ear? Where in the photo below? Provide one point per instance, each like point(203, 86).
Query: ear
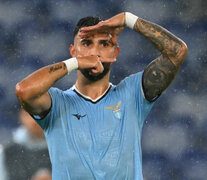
point(72, 50)
point(116, 53)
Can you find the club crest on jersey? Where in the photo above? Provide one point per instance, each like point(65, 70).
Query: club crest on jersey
point(116, 110)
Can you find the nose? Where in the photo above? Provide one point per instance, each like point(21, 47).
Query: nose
point(95, 51)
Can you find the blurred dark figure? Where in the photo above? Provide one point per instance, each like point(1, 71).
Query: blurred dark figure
point(26, 156)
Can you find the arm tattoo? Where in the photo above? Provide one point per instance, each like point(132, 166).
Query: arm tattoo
point(56, 67)
point(167, 43)
point(160, 73)
point(157, 77)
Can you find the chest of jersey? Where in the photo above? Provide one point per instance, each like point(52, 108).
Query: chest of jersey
point(99, 131)
point(97, 126)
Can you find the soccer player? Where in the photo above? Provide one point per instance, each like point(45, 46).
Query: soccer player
point(93, 129)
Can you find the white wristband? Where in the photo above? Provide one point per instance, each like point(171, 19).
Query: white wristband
point(130, 19)
point(71, 64)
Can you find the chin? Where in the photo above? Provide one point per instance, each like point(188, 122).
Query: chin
point(94, 77)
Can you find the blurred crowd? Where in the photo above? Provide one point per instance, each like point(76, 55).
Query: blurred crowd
point(36, 33)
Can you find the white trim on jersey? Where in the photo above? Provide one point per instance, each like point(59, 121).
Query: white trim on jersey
point(87, 97)
point(142, 91)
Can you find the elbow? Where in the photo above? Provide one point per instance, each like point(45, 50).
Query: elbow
point(20, 92)
point(184, 51)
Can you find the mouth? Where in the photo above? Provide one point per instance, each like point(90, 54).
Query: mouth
point(93, 76)
point(90, 71)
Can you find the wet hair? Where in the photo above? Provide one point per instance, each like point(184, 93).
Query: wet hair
point(85, 22)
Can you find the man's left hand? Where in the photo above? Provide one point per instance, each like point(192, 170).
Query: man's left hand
point(112, 26)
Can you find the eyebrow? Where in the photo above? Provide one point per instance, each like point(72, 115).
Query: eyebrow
point(85, 40)
point(106, 41)
point(100, 41)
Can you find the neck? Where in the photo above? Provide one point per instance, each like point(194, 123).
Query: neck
point(92, 89)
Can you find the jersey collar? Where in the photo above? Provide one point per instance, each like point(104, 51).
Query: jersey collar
point(87, 98)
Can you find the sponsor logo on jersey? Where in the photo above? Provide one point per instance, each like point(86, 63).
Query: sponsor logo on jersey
point(116, 110)
point(78, 116)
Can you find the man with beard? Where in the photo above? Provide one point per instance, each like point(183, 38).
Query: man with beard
point(93, 129)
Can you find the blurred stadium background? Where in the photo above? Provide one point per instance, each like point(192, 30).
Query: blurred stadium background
point(36, 33)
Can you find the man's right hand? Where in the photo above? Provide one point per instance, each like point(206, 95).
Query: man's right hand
point(94, 63)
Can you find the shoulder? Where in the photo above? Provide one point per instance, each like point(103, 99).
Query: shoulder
point(56, 92)
point(61, 98)
point(131, 86)
point(131, 80)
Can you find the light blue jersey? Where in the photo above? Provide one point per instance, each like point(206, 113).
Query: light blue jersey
point(97, 140)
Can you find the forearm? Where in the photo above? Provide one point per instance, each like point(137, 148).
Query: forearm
point(40, 81)
point(159, 74)
point(167, 43)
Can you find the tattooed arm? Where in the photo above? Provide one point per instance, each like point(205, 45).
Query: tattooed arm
point(160, 72)
point(32, 91)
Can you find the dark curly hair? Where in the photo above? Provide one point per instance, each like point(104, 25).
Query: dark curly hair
point(85, 22)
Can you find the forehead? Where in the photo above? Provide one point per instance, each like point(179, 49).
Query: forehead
point(94, 36)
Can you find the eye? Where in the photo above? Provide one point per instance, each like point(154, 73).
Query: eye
point(86, 43)
point(104, 44)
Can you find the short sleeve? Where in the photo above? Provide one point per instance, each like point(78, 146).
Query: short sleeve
point(48, 120)
point(134, 90)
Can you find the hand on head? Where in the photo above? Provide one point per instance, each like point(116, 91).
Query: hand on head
point(112, 26)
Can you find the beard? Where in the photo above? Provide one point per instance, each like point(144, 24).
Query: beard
point(92, 77)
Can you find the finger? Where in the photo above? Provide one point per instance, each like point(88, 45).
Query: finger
point(92, 28)
point(83, 35)
point(89, 28)
point(113, 39)
point(107, 60)
point(97, 71)
point(98, 68)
